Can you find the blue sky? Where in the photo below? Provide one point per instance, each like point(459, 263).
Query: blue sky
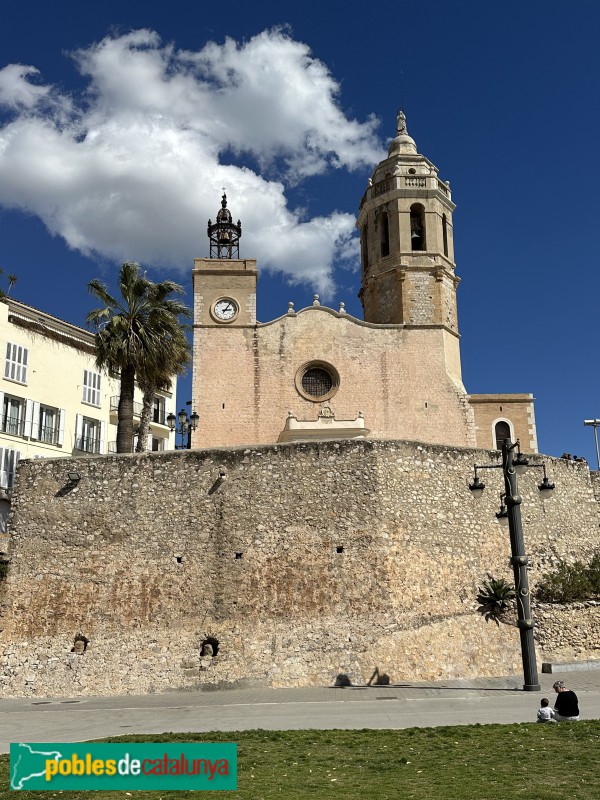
point(116, 148)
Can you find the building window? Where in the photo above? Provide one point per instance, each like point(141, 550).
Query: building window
point(317, 381)
point(158, 410)
point(445, 233)
point(48, 429)
point(501, 432)
point(364, 241)
point(8, 466)
point(13, 415)
point(157, 445)
point(89, 435)
point(91, 388)
point(15, 368)
point(385, 235)
point(417, 227)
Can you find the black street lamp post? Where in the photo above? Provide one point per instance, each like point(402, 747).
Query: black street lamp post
point(184, 428)
point(511, 466)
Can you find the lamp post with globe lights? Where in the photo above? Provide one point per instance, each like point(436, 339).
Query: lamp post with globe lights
point(510, 512)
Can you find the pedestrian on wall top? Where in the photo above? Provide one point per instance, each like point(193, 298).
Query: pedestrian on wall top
point(566, 708)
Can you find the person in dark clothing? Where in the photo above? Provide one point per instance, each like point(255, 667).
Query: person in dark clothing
point(566, 708)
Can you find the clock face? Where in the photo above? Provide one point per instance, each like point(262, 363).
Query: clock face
point(225, 309)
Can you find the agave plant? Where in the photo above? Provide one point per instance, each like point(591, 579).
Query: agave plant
point(495, 599)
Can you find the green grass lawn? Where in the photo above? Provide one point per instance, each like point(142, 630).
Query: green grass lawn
point(480, 762)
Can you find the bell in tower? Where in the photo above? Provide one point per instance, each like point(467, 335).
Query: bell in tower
point(407, 250)
point(224, 235)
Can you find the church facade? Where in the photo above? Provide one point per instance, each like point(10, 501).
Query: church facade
point(319, 373)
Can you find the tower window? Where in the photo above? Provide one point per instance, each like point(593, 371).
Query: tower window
point(445, 233)
point(501, 432)
point(385, 235)
point(417, 227)
point(364, 241)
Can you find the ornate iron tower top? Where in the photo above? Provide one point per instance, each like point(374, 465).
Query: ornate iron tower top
point(224, 235)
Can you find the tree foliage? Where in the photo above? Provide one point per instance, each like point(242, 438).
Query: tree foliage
point(137, 336)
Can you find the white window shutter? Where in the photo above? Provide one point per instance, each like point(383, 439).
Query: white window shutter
point(78, 431)
point(3, 475)
point(149, 443)
point(61, 427)
point(102, 435)
point(28, 417)
point(2, 409)
point(35, 421)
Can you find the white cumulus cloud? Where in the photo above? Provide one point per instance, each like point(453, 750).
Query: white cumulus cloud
point(133, 168)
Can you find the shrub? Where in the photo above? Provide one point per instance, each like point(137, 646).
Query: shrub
point(594, 573)
point(568, 582)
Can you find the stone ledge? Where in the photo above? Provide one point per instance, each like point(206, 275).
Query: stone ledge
point(574, 666)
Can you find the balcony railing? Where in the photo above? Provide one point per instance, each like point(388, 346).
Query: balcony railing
point(13, 425)
point(87, 444)
point(157, 416)
point(114, 406)
point(48, 434)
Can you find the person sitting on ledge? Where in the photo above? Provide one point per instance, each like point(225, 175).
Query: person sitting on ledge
point(566, 708)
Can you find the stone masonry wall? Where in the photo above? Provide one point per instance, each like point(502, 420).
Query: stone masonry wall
point(297, 562)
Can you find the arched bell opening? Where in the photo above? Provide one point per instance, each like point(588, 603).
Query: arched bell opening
point(417, 227)
point(384, 235)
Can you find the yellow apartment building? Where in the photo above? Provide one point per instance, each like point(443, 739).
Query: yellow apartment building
point(53, 399)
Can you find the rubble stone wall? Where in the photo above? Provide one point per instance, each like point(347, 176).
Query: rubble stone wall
point(276, 565)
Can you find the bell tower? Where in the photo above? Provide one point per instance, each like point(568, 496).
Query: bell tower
point(224, 284)
point(407, 249)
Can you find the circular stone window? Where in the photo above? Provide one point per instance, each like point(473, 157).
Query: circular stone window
point(317, 381)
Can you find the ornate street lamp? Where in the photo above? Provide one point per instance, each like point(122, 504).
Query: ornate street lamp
point(185, 427)
point(510, 509)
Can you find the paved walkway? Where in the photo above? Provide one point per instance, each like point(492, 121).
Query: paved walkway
point(483, 700)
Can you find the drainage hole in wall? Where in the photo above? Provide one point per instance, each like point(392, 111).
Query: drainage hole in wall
point(339, 549)
point(239, 555)
point(66, 702)
point(209, 647)
point(42, 703)
point(80, 644)
point(179, 559)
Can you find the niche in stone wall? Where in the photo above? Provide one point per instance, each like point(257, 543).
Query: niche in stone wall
point(80, 644)
point(209, 647)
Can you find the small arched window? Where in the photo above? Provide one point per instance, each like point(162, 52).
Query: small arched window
point(501, 432)
point(385, 235)
point(364, 243)
point(445, 233)
point(417, 227)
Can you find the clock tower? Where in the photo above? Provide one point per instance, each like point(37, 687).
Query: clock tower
point(224, 315)
point(224, 284)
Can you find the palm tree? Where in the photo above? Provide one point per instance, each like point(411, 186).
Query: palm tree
point(131, 335)
point(495, 599)
point(176, 354)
